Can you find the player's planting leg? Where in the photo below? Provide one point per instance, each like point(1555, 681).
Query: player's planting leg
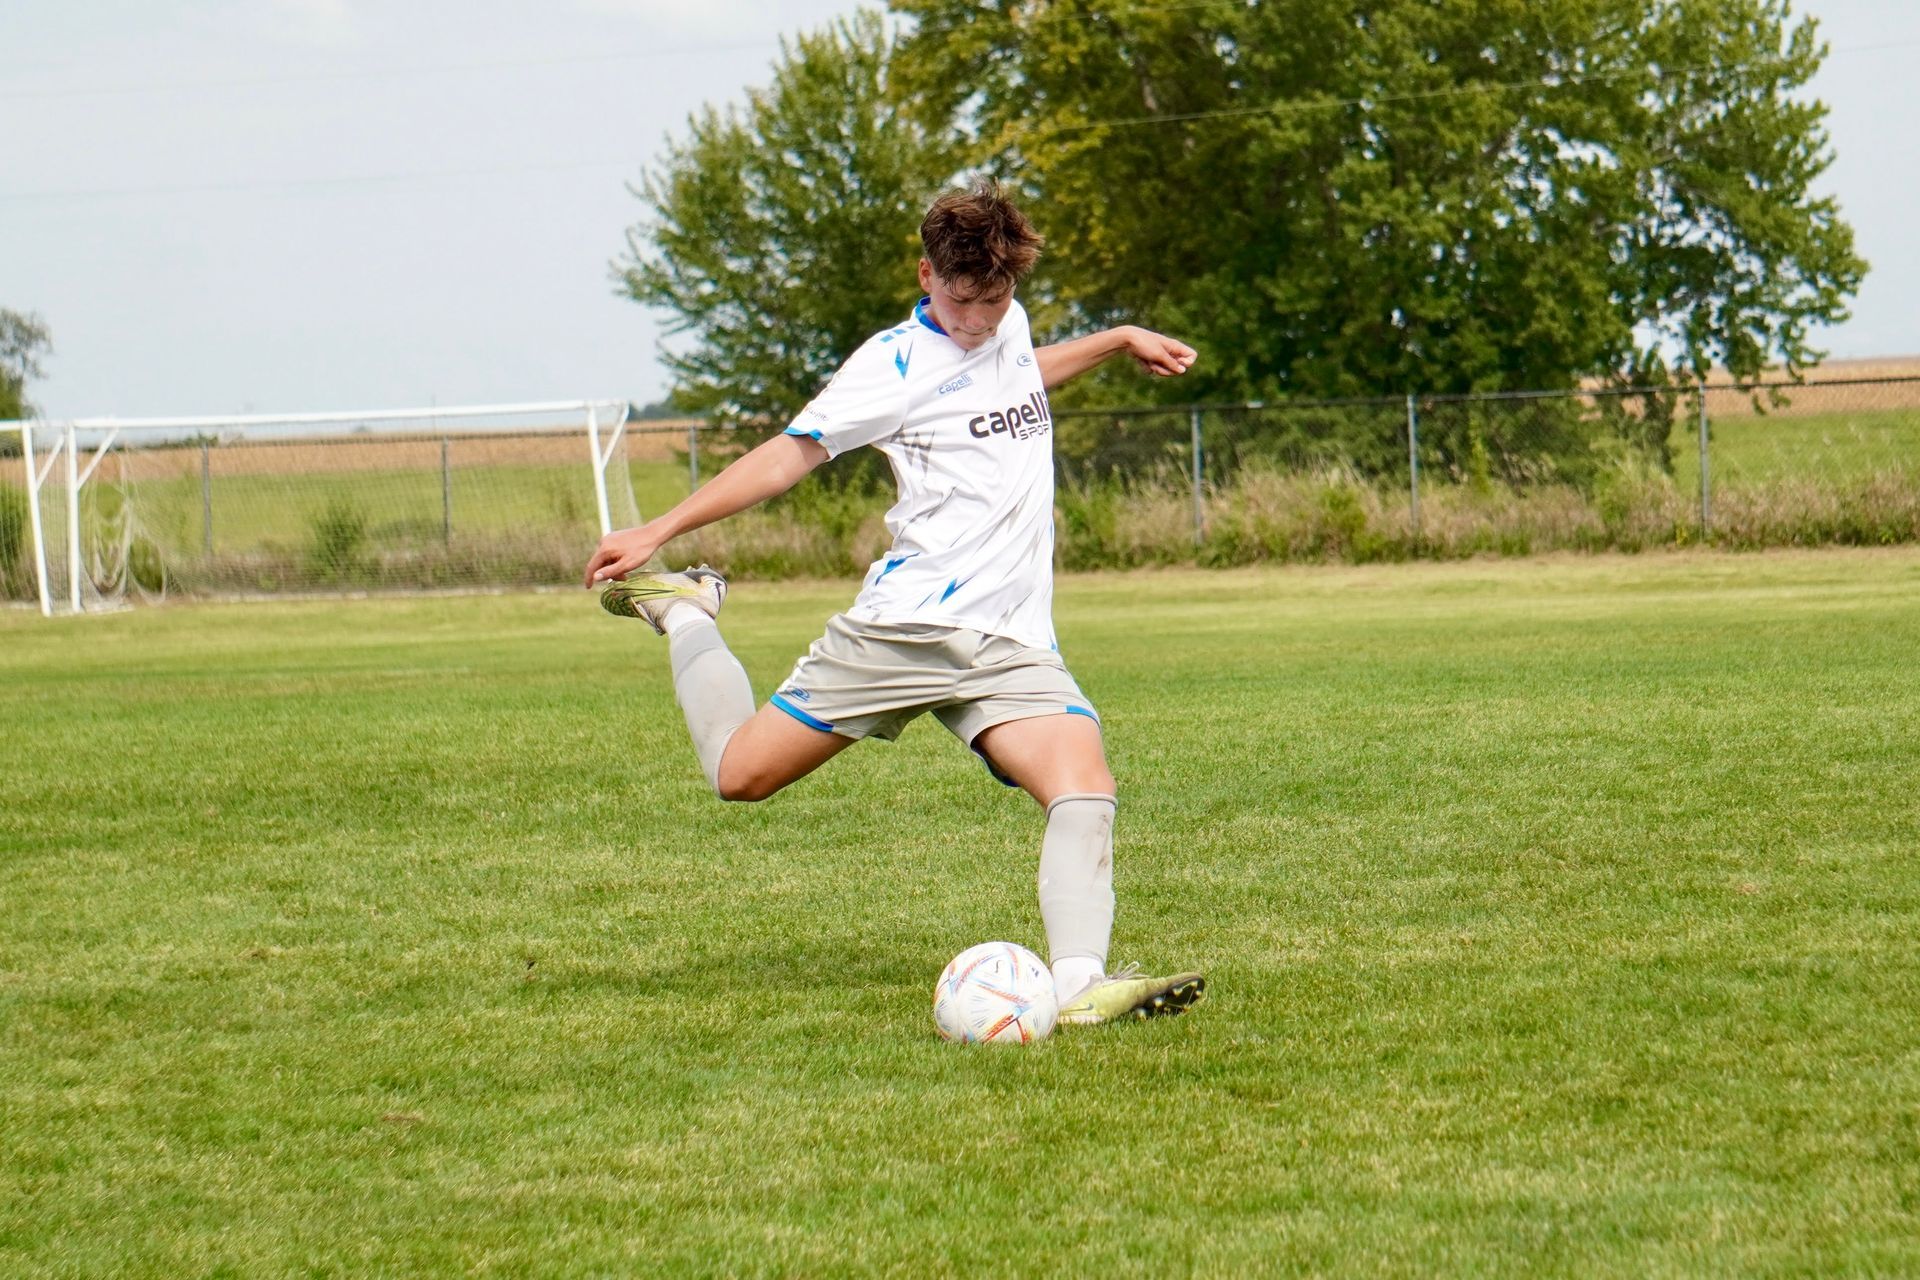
point(1060, 761)
point(1076, 889)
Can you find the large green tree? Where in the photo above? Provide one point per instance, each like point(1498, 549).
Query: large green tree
point(780, 235)
point(1337, 197)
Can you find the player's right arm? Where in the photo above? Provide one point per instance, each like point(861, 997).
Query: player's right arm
point(765, 472)
point(864, 402)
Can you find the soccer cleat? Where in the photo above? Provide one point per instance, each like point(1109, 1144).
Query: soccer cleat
point(1127, 994)
point(648, 596)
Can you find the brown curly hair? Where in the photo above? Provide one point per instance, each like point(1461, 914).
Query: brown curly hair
point(978, 241)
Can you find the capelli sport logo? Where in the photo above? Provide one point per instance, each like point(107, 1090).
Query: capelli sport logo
point(1020, 421)
point(964, 380)
point(1026, 358)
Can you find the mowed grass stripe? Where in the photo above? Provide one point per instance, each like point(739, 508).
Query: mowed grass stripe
point(1559, 916)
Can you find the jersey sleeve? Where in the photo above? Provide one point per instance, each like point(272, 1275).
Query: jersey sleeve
point(865, 402)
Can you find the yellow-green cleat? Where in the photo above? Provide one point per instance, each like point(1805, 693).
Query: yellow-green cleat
point(1126, 995)
point(647, 595)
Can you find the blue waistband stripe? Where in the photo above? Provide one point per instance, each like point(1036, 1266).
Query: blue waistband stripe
point(812, 722)
point(1082, 711)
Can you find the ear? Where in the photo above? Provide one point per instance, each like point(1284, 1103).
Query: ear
point(926, 276)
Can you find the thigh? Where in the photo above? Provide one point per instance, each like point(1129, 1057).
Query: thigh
point(1049, 756)
point(772, 750)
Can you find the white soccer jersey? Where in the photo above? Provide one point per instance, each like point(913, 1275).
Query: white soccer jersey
point(970, 438)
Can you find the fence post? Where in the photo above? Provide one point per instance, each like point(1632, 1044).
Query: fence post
point(206, 498)
point(1413, 462)
point(1199, 477)
point(693, 455)
point(446, 494)
point(1705, 486)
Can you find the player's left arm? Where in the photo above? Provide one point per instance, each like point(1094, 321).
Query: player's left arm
point(1158, 354)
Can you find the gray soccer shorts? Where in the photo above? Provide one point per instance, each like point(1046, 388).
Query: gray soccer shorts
point(871, 679)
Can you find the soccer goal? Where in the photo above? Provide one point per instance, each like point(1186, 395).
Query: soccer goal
point(99, 512)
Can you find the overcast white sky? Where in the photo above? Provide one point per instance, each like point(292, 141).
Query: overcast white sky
point(286, 205)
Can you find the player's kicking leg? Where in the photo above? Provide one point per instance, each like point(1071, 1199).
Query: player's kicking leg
point(1061, 762)
point(745, 756)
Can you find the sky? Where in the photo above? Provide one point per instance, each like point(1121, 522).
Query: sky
point(305, 205)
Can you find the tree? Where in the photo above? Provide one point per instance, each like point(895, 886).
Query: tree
point(23, 341)
point(1333, 198)
point(781, 236)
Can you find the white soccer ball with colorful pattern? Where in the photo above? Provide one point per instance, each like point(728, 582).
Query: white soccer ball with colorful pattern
point(996, 993)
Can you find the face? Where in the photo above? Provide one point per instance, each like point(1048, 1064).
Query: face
point(969, 318)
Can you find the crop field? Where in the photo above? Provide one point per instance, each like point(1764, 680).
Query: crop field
point(1558, 915)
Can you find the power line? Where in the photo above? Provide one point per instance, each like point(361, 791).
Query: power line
point(1281, 108)
point(294, 184)
point(379, 73)
point(494, 64)
point(1417, 95)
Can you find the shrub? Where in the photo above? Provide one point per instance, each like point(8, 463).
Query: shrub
point(339, 539)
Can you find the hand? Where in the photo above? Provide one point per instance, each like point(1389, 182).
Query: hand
point(621, 552)
point(1158, 354)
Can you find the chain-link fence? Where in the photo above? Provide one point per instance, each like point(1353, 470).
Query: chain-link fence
point(1785, 464)
point(1834, 461)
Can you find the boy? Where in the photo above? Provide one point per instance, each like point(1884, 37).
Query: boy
point(957, 618)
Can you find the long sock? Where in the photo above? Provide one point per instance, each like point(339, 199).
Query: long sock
point(1076, 889)
point(710, 685)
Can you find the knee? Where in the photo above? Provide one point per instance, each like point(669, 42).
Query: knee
point(743, 786)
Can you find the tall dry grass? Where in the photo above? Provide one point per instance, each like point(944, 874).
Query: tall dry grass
point(1258, 516)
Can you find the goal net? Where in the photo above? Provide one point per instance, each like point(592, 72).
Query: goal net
point(460, 498)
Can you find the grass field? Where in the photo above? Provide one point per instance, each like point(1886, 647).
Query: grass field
point(1835, 445)
point(1560, 916)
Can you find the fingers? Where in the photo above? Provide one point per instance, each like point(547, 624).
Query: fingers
point(1174, 360)
point(1164, 357)
point(606, 563)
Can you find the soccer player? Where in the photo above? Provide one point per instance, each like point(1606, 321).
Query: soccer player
point(955, 619)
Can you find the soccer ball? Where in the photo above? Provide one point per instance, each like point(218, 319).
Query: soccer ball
point(995, 992)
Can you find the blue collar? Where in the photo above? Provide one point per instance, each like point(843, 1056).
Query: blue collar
point(925, 317)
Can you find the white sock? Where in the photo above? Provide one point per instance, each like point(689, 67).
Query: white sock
point(1072, 975)
point(710, 685)
point(1076, 889)
point(682, 614)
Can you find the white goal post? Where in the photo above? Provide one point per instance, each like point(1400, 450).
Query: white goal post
point(100, 510)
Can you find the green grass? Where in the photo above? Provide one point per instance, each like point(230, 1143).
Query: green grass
point(1839, 445)
point(1560, 916)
